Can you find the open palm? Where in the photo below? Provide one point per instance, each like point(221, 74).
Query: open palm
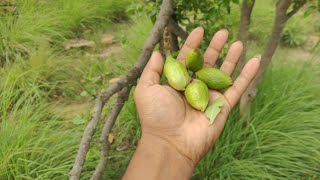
point(165, 113)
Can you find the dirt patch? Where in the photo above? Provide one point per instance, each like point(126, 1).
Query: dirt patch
point(109, 51)
point(78, 43)
point(69, 111)
point(107, 39)
point(298, 54)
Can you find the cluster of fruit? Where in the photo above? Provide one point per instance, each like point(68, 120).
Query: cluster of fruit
point(197, 82)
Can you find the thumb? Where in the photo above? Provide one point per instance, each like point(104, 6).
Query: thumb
point(153, 70)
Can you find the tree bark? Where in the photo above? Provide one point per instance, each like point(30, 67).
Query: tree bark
point(161, 48)
point(105, 145)
point(174, 43)
point(171, 36)
point(281, 17)
point(243, 33)
point(174, 27)
point(171, 43)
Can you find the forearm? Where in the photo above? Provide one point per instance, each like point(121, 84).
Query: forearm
point(156, 159)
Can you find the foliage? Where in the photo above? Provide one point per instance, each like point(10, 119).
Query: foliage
point(209, 14)
point(29, 130)
point(292, 35)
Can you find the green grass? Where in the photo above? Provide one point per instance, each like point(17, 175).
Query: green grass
point(52, 21)
point(29, 130)
point(38, 142)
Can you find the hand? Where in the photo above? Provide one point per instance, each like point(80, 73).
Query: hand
point(164, 112)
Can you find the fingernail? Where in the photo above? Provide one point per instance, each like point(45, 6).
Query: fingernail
point(238, 41)
point(200, 28)
point(225, 30)
point(257, 56)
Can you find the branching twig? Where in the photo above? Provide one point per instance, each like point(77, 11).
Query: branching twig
point(296, 8)
point(154, 37)
point(161, 48)
point(86, 139)
point(105, 145)
point(243, 32)
point(177, 30)
point(280, 20)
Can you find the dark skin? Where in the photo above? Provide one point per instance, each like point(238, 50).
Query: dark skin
point(175, 136)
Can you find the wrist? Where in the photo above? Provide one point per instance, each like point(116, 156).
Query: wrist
point(165, 150)
point(155, 158)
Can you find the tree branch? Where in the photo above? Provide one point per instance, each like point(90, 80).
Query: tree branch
point(105, 145)
point(296, 8)
point(128, 80)
point(279, 23)
point(243, 32)
point(177, 30)
point(161, 48)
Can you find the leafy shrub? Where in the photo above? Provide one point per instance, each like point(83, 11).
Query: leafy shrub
point(292, 35)
point(209, 14)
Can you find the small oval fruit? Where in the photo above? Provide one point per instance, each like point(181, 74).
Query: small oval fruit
point(176, 74)
point(197, 95)
point(214, 78)
point(194, 60)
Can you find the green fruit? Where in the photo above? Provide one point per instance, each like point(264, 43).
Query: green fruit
point(214, 78)
point(177, 75)
point(197, 95)
point(194, 60)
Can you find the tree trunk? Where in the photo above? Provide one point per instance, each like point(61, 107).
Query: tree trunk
point(171, 39)
point(174, 27)
point(243, 32)
point(174, 43)
point(171, 43)
point(281, 16)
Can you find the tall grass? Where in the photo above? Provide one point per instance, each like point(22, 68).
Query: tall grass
point(52, 21)
point(34, 142)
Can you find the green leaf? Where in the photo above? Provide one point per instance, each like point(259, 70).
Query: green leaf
point(84, 94)
point(213, 110)
point(235, 1)
point(310, 10)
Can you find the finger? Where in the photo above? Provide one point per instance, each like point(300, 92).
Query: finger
point(249, 71)
point(218, 124)
point(215, 47)
point(153, 70)
point(193, 41)
point(232, 58)
point(213, 95)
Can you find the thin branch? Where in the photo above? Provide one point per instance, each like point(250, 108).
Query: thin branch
point(243, 32)
point(296, 8)
point(86, 139)
point(161, 48)
point(177, 30)
point(128, 80)
point(105, 145)
point(278, 26)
